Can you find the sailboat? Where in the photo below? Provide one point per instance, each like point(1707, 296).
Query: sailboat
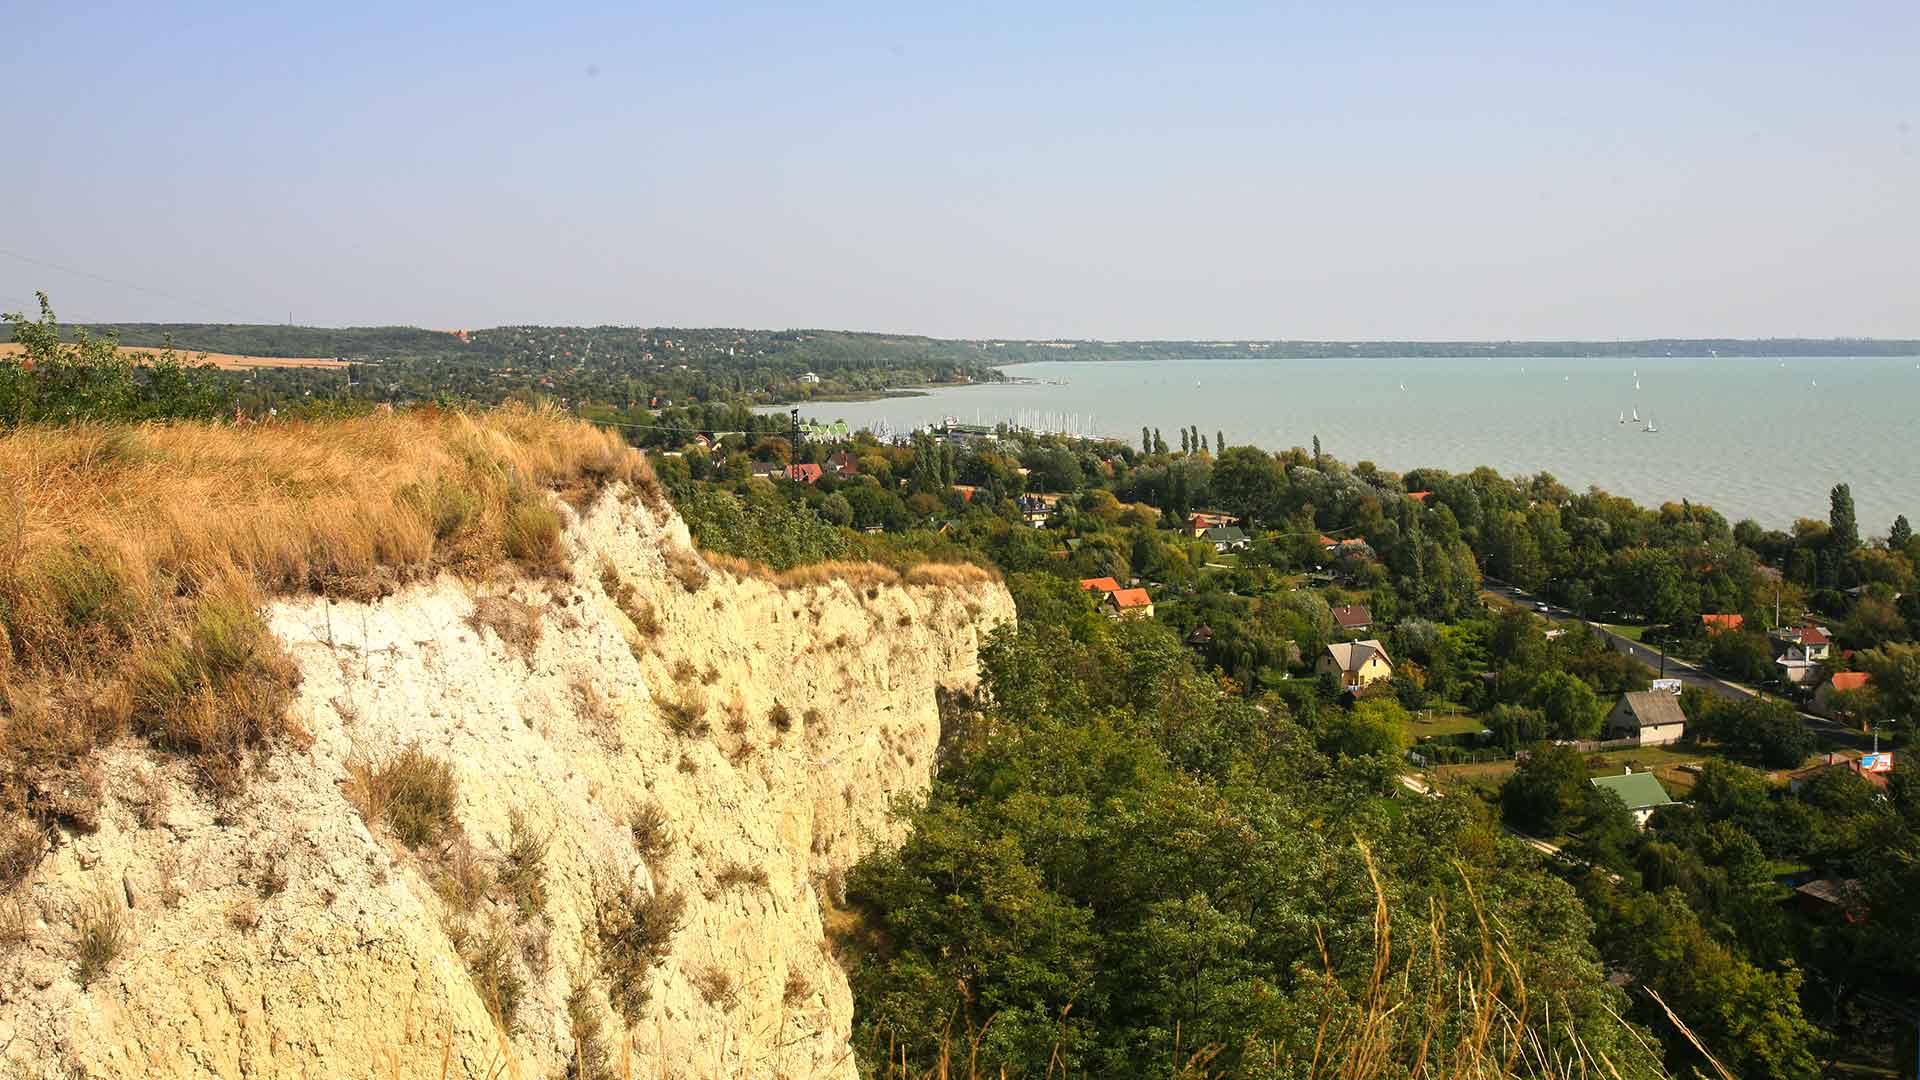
point(1623, 417)
point(1636, 384)
point(1650, 429)
point(1636, 414)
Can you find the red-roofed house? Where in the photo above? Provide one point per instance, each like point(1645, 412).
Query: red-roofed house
point(1799, 652)
point(1420, 496)
point(1352, 617)
point(1718, 623)
point(1202, 520)
point(804, 473)
point(1841, 683)
point(841, 463)
point(1873, 768)
point(1130, 604)
point(1100, 584)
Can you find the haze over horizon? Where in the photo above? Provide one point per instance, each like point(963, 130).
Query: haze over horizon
point(1093, 171)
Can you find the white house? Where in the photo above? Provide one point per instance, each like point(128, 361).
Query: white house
point(1648, 716)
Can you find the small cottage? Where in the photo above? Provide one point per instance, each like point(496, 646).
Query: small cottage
point(1649, 717)
point(1355, 663)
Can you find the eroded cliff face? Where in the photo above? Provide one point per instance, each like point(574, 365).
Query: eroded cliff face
point(281, 935)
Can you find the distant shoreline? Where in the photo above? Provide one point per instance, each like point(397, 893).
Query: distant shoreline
point(1404, 350)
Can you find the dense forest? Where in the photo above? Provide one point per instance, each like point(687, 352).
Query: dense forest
point(1143, 824)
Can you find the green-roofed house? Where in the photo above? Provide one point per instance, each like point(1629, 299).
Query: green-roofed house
point(1640, 791)
point(1227, 538)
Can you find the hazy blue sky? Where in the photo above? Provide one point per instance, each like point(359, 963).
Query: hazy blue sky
point(1089, 169)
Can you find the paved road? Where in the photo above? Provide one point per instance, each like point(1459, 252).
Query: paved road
point(1676, 668)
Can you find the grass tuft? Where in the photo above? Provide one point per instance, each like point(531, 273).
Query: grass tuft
point(514, 623)
point(489, 959)
point(217, 689)
point(524, 871)
point(652, 836)
point(590, 1057)
point(412, 791)
point(734, 875)
point(797, 989)
point(717, 988)
point(21, 848)
point(532, 537)
point(100, 934)
point(685, 714)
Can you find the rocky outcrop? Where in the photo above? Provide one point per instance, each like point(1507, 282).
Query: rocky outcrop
point(280, 934)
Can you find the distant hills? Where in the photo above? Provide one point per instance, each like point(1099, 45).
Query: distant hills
point(505, 343)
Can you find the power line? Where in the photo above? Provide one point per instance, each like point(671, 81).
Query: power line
point(89, 274)
point(120, 282)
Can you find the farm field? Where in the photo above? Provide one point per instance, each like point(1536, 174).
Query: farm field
point(224, 361)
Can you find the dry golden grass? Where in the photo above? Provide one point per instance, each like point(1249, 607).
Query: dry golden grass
point(134, 561)
point(223, 361)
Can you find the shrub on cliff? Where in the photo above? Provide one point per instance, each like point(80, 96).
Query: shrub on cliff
point(769, 531)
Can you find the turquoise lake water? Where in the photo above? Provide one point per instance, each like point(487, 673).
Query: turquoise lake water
point(1751, 437)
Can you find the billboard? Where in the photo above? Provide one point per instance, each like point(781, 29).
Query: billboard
point(1671, 686)
point(1881, 762)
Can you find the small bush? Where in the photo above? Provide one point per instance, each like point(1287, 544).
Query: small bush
point(490, 962)
point(463, 880)
point(412, 791)
point(797, 989)
point(514, 623)
point(813, 719)
point(633, 933)
point(737, 874)
point(780, 718)
point(652, 836)
point(524, 875)
point(686, 568)
point(683, 671)
point(273, 879)
point(244, 914)
point(13, 923)
point(532, 537)
point(686, 715)
point(21, 848)
point(100, 933)
point(716, 988)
